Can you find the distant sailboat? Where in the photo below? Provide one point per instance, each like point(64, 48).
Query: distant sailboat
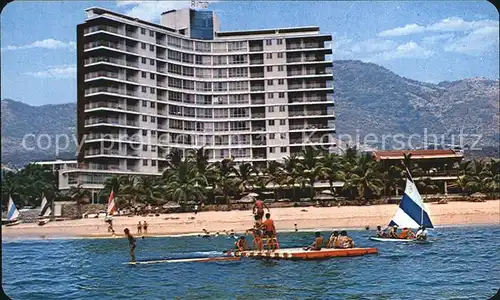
point(12, 214)
point(411, 212)
point(45, 212)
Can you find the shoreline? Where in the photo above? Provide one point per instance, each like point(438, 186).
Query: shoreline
point(308, 219)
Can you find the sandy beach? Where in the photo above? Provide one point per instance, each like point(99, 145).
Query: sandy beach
point(308, 218)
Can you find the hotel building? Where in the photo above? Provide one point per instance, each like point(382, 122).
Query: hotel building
point(146, 88)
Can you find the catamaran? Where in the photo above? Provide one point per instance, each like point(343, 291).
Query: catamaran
point(12, 214)
point(411, 213)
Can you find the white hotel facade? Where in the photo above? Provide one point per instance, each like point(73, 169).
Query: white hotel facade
point(145, 88)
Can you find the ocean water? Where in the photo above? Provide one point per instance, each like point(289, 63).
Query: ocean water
point(461, 263)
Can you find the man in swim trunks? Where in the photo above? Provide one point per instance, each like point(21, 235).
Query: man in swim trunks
point(131, 242)
point(345, 240)
point(318, 242)
point(256, 231)
point(145, 228)
point(269, 231)
point(258, 208)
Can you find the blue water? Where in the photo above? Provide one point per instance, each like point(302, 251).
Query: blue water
point(462, 263)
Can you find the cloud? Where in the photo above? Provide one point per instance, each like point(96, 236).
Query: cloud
point(401, 31)
point(433, 39)
point(151, 10)
point(452, 24)
point(475, 43)
point(373, 45)
point(56, 72)
point(408, 50)
point(44, 44)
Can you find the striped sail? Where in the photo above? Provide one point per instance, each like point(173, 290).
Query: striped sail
point(46, 211)
point(12, 212)
point(411, 212)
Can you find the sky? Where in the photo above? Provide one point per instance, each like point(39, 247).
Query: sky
point(429, 41)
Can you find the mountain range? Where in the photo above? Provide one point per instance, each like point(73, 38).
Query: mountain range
point(369, 99)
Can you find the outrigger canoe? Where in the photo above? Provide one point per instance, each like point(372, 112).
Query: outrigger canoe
point(301, 254)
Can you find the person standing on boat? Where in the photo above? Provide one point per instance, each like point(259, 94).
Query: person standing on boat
point(258, 208)
point(270, 232)
point(131, 242)
point(257, 234)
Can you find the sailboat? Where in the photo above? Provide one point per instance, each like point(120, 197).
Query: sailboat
point(411, 212)
point(12, 214)
point(45, 212)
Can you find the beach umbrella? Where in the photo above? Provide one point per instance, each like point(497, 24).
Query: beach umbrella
point(246, 199)
point(327, 192)
point(253, 195)
point(171, 204)
point(324, 197)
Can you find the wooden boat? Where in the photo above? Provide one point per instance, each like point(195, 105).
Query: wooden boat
point(301, 254)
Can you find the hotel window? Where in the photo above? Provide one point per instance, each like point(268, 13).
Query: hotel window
point(279, 41)
point(144, 103)
point(270, 95)
point(144, 118)
point(269, 68)
point(144, 162)
point(143, 60)
point(270, 82)
point(143, 89)
point(153, 148)
point(269, 42)
point(271, 122)
point(153, 133)
point(151, 48)
point(282, 122)
point(152, 76)
point(144, 133)
point(143, 45)
point(283, 149)
point(153, 105)
point(282, 136)
point(153, 119)
point(152, 90)
point(143, 74)
point(271, 150)
point(271, 136)
point(281, 95)
point(152, 62)
point(270, 109)
point(280, 54)
point(143, 31)
point(144, 147)
point(280, 68)
point(269, 55)
point(280, 81)
point(151, 33)
point(282, 108)
point(153, 163)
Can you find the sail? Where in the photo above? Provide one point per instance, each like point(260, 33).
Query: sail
point(411, 212)
point(12, 212)
point(45, 208)
point(111, 204)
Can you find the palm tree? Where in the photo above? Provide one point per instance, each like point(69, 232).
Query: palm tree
point(80, 195)
point(185, 184)
point(246, 174)
point(225, 178)
point(111, 184)
point(364, 177)
point(174, 157)
point(292, 168)
point(427, 185)
point(149, 190)
point(333, 169)
point(274, 175)
point(11, 187)
point(312, 168)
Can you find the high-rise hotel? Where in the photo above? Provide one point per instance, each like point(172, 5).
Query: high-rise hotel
point(144, 89)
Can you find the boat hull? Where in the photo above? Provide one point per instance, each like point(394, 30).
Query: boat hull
point(301, 254)
point(10, 223)
point(380, 239)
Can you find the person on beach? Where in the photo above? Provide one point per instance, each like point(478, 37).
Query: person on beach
point(258, 208)
point(196, 209)
point(270, 232)
point(110, 226)
point(145, 228)
point(131, 242)
point(332, 241)
point(296, 229)
point(139, 228)
point(317, 244)
point(241, 244)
